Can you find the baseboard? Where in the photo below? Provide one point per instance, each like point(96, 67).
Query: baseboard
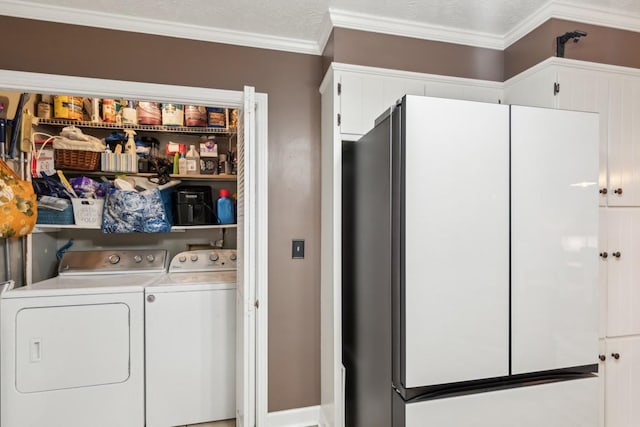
point(297, 417)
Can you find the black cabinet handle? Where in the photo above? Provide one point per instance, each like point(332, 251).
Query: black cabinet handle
point(604, 255)
point(603, 191)
point(618, 191)
point(602, 357)
point(616, 254)
point(615, 355)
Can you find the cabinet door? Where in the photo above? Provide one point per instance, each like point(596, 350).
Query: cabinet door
point(364, 97)
point(602, 381)
point(623, 271)
point(603, 248)
point(624, 150)
point(622, 382)
point(554, 239)
point(585, 90)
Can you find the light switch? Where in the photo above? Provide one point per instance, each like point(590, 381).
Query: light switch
point(297, 249)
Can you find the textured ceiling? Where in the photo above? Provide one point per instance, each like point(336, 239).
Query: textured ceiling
point(305, 20)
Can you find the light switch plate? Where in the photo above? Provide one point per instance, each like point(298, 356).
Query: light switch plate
point(297, 249)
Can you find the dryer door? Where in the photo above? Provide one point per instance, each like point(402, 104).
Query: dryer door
point(64, 347)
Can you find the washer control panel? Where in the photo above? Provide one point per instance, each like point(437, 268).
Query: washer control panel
point(114, 261)
point(204, 260)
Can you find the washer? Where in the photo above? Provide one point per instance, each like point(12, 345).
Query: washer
point(72, 346)
point(190, 340)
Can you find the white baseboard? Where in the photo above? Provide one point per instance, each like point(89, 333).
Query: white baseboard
point(298, 417)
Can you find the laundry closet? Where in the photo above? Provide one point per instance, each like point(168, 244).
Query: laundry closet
point(151, 369)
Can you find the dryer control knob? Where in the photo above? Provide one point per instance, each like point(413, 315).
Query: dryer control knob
point(213, 256)
point(114, 259)
point(151, 258)
point(233, 257)
point(194, 257)
point(182, 258)
point(137, 258)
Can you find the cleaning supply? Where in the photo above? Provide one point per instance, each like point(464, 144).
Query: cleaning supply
point(176, 163)
point(224, 208)
point(182, 165)
point(193, 161)
point(130, 147)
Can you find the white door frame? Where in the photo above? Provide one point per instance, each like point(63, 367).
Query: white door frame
point(20, 81)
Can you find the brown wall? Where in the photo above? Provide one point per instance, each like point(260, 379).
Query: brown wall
point(409, 54)
point(602, 44)
point(291, 82)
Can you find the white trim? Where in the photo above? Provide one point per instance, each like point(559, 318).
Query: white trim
point(572, 63)
point(387, 72)
point(298, 417)
point(262, 258)
point(572, 12)
point(405, 28)
point(49, 83)
point(112, 21)
point(334, 18)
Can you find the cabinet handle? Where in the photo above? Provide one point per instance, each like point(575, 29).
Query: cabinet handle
point(151, 298)
point(618, 191)
point(616, 254)
point(604, 255)
point(603, 191)
point(602, 357)
point(615, 355)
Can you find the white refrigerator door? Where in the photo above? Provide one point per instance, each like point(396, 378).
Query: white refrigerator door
point(554, 239)
point(456, 241)
point(561, 404)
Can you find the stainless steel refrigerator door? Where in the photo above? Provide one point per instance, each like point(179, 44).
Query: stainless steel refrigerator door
point(554, 261)
point(455, 303)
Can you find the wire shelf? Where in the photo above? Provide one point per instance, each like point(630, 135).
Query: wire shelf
point(151, 128)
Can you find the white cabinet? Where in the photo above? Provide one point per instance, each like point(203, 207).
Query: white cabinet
point(365, 92)
point(363, 97)
point(624, 147)
point(614, 93)
point(622, 382)
point(623, 271)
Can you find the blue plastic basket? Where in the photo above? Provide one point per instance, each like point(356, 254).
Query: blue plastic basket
point(52, 216)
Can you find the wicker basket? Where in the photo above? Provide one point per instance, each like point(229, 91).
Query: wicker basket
point(79, 160)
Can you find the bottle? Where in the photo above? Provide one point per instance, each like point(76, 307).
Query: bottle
point(193, 161)
point(224, 208)
point(182, 165)
point(176, 163)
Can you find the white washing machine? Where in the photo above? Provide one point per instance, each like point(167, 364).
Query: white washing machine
point(190, 340)
point(73, 346)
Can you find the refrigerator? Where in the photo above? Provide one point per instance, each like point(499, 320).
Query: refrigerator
point(470, 267)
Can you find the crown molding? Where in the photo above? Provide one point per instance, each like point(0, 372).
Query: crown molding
point(66, 15)
point(334, 18)
point(572, 12)
point(404, 28)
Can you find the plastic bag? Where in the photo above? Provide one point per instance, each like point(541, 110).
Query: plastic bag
point(18, 206)
point(130, 211)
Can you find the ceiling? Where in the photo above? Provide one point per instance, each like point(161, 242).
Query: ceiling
point(304, 25)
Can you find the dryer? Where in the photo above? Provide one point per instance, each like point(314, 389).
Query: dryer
point(190, 340)
point(73, 346)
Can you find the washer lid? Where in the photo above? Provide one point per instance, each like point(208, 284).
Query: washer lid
point(84, 285)
point(190, 281)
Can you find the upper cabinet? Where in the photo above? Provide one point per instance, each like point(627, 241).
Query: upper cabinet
point(614, 93)
point(364, 93)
